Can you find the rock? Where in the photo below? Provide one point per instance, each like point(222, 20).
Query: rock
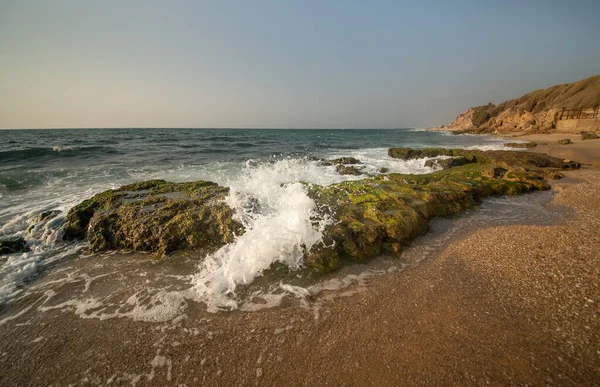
point(46, 215)
point(538, 111)
point(347, 170)
point(525, 159)
point(12, 244)
point(520, 144)
point(448, 163)
point(379, 215)
point(565, 141)
point(409, 153)
point(155, 216)
point(589, 136)
point(345, 160)
point(383, 170)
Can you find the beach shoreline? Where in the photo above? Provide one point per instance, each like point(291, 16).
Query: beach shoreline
point(510, 304)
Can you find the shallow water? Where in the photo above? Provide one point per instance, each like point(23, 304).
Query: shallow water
point(134, 286)
point(52, 170)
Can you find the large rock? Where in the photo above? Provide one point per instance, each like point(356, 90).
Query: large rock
point(155, 216)
point(523, 159)
point(448, 163)
point(381, 214)
point(12, 244)
point(521, 144)
point(589, 136)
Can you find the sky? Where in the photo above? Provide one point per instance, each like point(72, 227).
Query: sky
point(282, 64)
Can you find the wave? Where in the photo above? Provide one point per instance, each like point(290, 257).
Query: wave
point(54, 152)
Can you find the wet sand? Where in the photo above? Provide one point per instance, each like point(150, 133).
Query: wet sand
point(502, 305)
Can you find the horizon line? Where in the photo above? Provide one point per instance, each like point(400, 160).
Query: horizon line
point(209, 128)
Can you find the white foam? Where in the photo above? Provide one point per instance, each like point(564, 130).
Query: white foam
point(281, 222)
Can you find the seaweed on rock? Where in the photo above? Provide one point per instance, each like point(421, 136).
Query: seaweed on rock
point(379, 215)
point(372, 216)
point(155, 216)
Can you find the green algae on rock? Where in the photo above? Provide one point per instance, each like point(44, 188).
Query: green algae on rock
point(521, 144)
point(12, 244)
point(589, 136)
point(379, 215)
point(522, 159)
point(340, 161)
point(347, 170)
point(155, 216)
point(448, 163)
point(346, 160)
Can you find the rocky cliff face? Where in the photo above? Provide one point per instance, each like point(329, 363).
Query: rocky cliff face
point(509, 120)
point(537, 111)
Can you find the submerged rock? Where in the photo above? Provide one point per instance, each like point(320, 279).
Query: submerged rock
point(12, 244)
point(43, 217)
point(347, 170)
point(339, 161)
point(346, 160)
point(155, 216)
point(381, 214)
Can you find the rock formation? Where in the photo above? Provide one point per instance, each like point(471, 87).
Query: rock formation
point(379, 215)
point(155, 216)
point(372, 216)
point(537, 111)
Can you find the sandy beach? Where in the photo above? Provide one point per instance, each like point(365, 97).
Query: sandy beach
point(503, 305)
point(584, 151)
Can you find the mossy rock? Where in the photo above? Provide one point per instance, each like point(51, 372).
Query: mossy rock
point(346, 160)
point(448, 163)
point(566, 141)
point(589, 136)
point(155, 216)
point(409, 153)
point(524, 159)
point(379, 215)
point(521, 144)
point(12, 245)
point(347, 170)
point(43, 217)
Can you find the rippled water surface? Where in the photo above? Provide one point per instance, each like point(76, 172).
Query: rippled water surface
point(52, 170)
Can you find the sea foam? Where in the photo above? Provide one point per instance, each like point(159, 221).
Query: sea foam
point(282, 222)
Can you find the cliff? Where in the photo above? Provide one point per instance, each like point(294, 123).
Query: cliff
point(537, 111)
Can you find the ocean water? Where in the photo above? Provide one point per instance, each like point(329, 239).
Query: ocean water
point(53, 170)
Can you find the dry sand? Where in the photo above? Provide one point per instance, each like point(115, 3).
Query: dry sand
point(502, 305)
point(584, 151)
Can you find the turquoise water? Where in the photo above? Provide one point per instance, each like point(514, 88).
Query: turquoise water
point(52, 170)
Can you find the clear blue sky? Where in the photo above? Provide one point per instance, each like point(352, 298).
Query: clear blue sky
point(307, 64)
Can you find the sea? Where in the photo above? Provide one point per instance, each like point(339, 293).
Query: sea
point(50, 171)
